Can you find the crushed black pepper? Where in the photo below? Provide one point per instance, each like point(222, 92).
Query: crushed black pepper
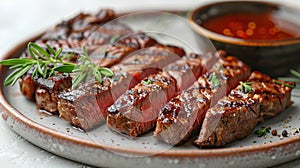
point(284, 133)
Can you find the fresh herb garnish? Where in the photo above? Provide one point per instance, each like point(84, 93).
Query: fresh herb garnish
point(146, 82)
point(86, 69)
point(47, 62)
point(42, 63)
point(246, 87)
point(284, 84)
point(114, 38)
point(295, 73)
point(214, 80)
point(263, 131)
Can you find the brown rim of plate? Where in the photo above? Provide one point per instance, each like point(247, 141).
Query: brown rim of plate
point(237, 41)
point(9, 111)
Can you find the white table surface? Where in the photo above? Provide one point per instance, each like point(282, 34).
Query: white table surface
point(21, 19)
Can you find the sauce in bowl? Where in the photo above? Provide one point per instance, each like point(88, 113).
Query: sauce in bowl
point(253, 26)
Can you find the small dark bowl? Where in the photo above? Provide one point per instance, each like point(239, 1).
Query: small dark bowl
point(274, 57)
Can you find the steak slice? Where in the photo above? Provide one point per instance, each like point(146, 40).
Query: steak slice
point(71, 35)
point(135, 112)
point(127, 74)
point(184, 113)
point(236, 115)
point(114, 53)
point(47, 90)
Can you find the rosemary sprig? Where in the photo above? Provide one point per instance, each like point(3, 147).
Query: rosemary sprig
point(263, 131)
point(47, 62)
point(246, 86)
point(42, 64)
point(86, 69)
point(214, 80)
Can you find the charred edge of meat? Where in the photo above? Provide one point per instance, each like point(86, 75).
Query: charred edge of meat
point(135, 112)
point(187, 119)
point(189, 66)
point(85, 107)
point(236, 115)
point(47, 90)
point(80, 22)
point(123, 80)
point(115, 52)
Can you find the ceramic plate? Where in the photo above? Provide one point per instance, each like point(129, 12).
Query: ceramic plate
point(101, 147)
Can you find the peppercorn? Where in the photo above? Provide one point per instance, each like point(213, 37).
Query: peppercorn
point(274, 132)
point(284, 133)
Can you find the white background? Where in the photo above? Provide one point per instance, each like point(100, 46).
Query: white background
point(20, 19)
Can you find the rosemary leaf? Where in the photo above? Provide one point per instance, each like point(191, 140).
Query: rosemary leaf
point(284, 84)
point(98, 76)
point(15, 61)
point(65, 68)
point(106, 72)
point(295, 73)
point(50, 49)
point(39, 50)
point(13, 77)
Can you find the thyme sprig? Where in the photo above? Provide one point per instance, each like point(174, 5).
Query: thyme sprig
point(42, 63)
point(246, 87)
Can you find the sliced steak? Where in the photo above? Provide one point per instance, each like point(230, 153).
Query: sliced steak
point(47, 90)
point(127, 74)
point(184, 113)
point(236, 115)
point(115, 52)
point(82, 106)
point(135, 112)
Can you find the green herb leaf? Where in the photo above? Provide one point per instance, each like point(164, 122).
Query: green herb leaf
point(38, 50)
point(295, 73)
point(284, 84)
point(39, 62)
point(214, 80)
point(14, 76)
point(146, 82)
point(65, 68)
point(15, 61)
point(106, 72)
point(263, 131)
point(86, 69)
point(246, 86)
point(114, 38)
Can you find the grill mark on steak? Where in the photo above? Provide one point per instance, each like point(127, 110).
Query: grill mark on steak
point(135, 112)
point(184, 113)
point(127, 74)
point(236, 115)
point(71, 35)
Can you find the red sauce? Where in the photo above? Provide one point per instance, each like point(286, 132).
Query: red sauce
point(255, 26)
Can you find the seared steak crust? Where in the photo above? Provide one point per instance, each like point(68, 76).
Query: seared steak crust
point(236, 115)
point(47, 90)
point(184, 113)
point(135, 112)
point(127, 74)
